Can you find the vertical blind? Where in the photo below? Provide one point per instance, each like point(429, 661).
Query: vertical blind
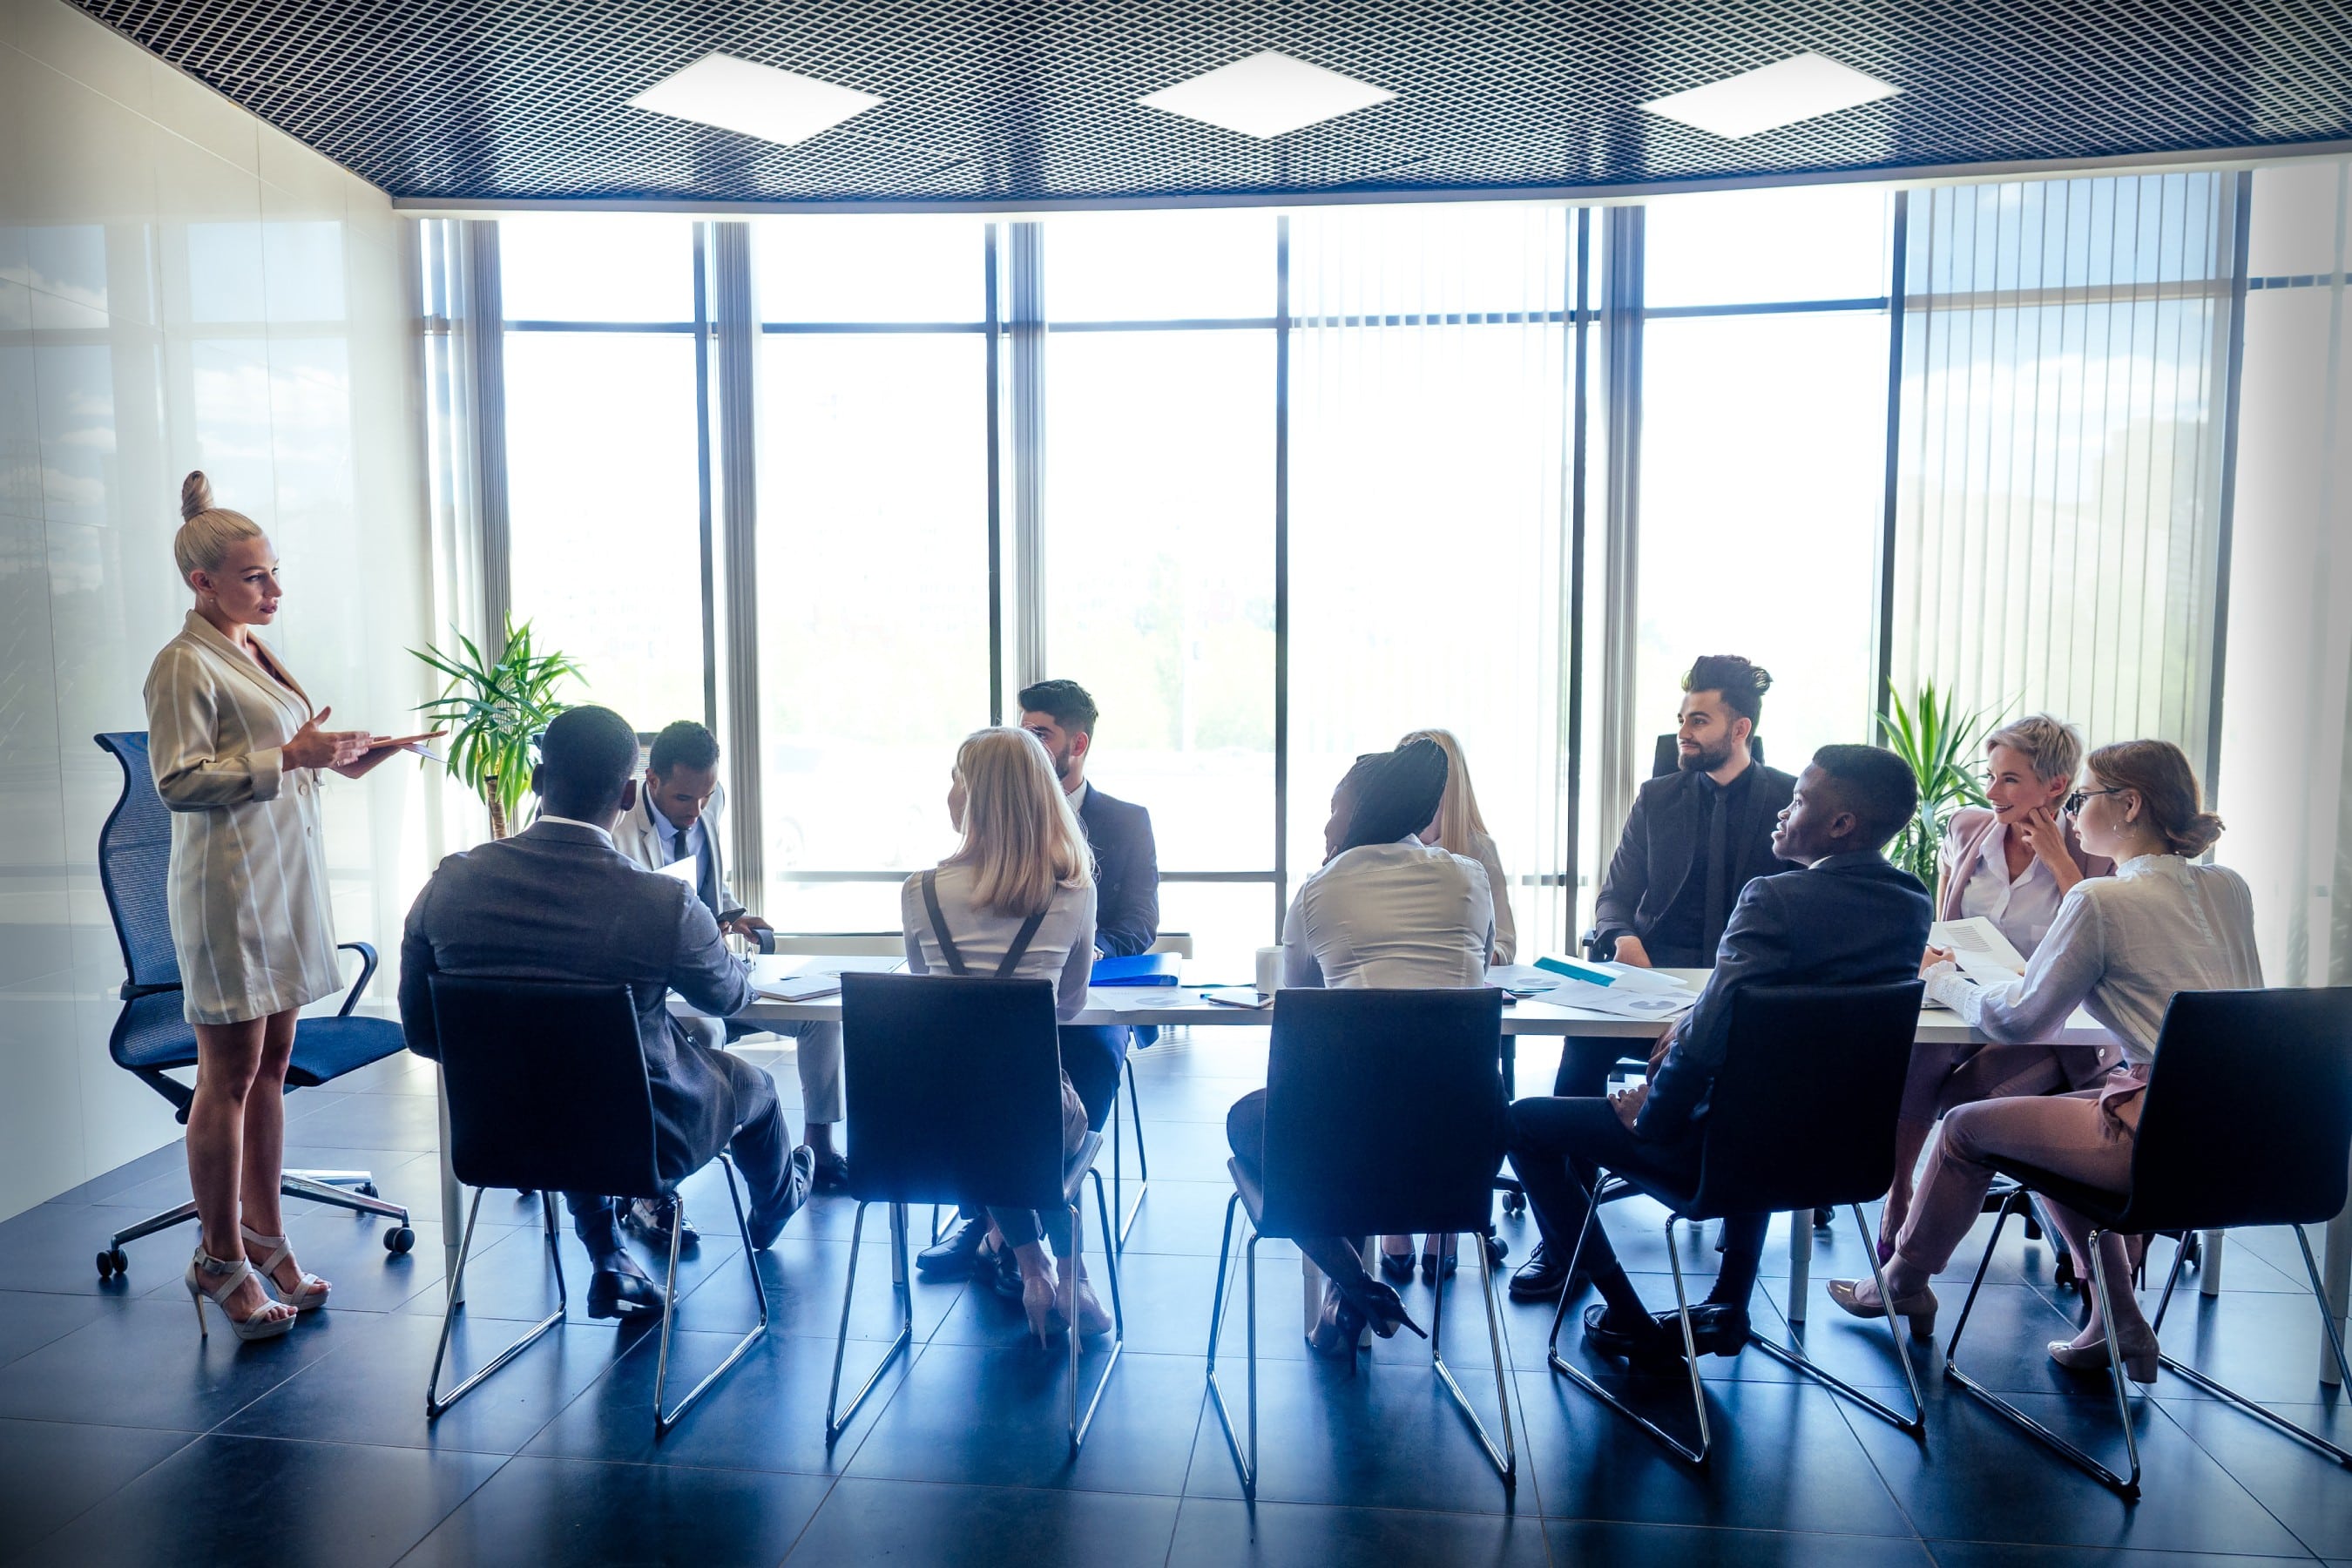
point(2058, 514)
point(1430, 403)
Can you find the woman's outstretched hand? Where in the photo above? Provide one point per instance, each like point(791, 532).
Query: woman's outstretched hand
point(314, 747)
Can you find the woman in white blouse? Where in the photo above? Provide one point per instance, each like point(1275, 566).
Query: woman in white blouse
point(1016, 900)
point(1459, 829)
point(236, 749)
point(2011, 861)
point(2121, 947)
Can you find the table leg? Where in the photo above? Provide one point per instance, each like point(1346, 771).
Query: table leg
point(453, 1198)
point(2208, 1262)
point(1800, 1263)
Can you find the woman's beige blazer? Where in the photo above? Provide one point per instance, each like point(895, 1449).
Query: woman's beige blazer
point(250, 916)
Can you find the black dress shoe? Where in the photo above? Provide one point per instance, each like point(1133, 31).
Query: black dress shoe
point(1717, 1329)
point(1542, 1277)
point(953, 1258)
point(1648, 1348)
point(1001, 1271)
point(624, 1291)
point(1397, 1266)
point(832, 1172)
point(767, 1221)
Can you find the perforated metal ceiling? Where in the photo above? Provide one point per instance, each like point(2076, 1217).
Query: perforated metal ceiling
point(1017, 100)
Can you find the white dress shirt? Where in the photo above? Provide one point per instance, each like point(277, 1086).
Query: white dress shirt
point(2022, 909)
point(2120, 947)
point(1402, 915)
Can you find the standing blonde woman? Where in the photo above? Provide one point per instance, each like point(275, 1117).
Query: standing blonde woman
point(236, 749)
point(1459, 829)
point(1016, 900)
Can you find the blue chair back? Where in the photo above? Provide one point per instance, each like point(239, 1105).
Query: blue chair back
point(134, 861)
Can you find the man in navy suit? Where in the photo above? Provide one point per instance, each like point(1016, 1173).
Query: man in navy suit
point(1847, 917)
point(1127, 915)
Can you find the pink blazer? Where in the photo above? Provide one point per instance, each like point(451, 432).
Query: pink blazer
point(1970, 827)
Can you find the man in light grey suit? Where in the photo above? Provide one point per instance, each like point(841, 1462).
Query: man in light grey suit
point(559, 903)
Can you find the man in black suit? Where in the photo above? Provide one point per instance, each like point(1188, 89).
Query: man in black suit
point(1126, 916)
point(1847, 918)
point(559, 902)
point(1696, 837)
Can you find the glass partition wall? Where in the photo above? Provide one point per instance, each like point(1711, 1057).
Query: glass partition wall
point(1279, 488)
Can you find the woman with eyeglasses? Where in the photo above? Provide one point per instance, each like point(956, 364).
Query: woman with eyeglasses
point(2011, 861)
point(2121, 946)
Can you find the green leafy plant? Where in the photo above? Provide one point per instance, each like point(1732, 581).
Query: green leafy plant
point(1938, 744)
point(494, 713)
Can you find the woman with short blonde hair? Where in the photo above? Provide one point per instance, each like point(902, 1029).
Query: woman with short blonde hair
point(1016, 900)
point(1461, 830)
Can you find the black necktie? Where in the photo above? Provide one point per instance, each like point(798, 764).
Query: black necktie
point(1718, 872)
point(678, 844)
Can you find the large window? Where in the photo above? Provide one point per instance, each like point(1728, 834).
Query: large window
point(1279, 488)
point(602, 455)
point(873, 553)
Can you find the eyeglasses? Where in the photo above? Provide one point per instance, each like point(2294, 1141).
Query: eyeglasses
point(2073, 804)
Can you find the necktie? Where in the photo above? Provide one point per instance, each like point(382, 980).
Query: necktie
point(678, 844)
point(1718, 873)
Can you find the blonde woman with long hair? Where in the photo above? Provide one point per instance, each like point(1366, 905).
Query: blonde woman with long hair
point(237, 748)
point(1459, 829)
point(1016, 900)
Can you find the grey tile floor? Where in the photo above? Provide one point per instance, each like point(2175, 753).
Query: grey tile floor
point(125, 1439)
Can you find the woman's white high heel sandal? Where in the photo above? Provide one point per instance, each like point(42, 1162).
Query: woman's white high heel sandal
point(308, 1297)
point(268, 1321)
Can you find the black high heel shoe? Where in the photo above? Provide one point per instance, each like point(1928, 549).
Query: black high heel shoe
point(1434, 1267)
point(1379, 1306)
point(1397, 1266)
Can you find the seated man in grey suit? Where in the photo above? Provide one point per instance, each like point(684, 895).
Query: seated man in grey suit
point(1847, 917)
point(558, 901)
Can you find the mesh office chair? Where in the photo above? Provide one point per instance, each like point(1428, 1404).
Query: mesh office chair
point(2247, 1120)
point(151, 1037)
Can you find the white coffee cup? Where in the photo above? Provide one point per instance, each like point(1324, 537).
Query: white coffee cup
point(1269, 970)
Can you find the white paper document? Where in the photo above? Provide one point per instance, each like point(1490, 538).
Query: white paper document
point(1619, 1003)
point(1976, 945)
point(687, 870)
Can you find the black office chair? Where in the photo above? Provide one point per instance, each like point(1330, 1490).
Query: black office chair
point(547, 1092)
point(954, 1092)
point(2247, 1119)
point(1342, 1061)
point(151, 1037)
point(1802, 1117)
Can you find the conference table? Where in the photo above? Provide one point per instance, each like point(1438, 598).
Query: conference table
point(1183, 1006)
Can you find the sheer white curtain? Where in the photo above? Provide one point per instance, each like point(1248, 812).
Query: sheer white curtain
point(2065, 358)
point(1430, 397)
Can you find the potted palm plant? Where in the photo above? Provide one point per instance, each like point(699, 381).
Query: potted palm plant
point(494, 711)
point(1938, 742)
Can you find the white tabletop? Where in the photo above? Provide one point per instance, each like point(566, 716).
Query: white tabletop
point(1167, 1005)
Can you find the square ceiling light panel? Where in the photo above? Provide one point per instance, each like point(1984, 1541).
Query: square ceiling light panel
point(757, 100)
point(1803, 87)
point(1266, 95)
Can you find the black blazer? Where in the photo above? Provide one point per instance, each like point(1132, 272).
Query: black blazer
point(558, 901)
point(1666, 835)
point(1850, 919)
point(1126, 873)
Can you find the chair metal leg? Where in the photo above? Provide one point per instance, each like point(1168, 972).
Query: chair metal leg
point(436, 1401)
point(176, 1215)
point(313, 1187)
point(1244, 1467)
point(1142, 1157)
point(662, 1422)
point(900, 1342)
point(1576, 1374)
point(1506, 1459)
point(2126, 1487)
point(1916, 1422)
point(1079, 1422)
point(2219, 1391)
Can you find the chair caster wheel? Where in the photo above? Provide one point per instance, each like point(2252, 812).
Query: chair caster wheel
point(1498, 1250)
point(2062, 1277)
point(367, 1190)
point(399, 1239)
point(112, 1264)
point(1514, 1204)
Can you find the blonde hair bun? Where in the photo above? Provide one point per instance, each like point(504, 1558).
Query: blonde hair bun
point(195, 494)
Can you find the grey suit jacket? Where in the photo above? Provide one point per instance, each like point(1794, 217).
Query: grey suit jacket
point(559, 903)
